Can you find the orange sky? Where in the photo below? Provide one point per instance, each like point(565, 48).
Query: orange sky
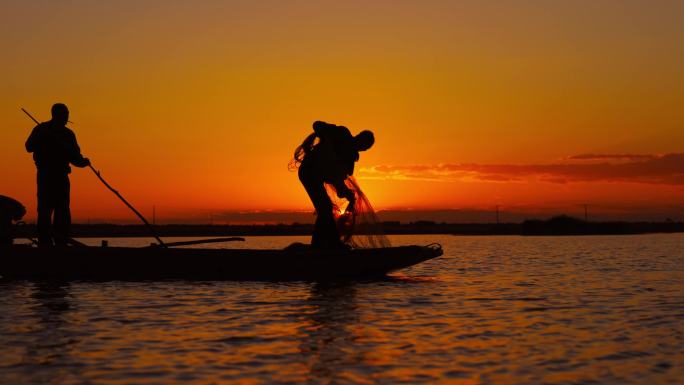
point(195, 106)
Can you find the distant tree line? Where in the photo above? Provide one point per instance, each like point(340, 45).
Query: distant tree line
point(558, 225)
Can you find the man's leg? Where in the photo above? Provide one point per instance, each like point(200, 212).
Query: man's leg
point(328, 233)
point(325, 233)
point(45, 209)
point(62, 210)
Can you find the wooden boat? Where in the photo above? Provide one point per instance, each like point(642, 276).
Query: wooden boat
point(156, 263)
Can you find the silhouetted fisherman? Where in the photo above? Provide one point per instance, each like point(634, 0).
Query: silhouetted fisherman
point(10, 210)
point(54, 148)
point(330, 161)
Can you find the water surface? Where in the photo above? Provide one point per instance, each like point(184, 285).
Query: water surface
point(492, 310)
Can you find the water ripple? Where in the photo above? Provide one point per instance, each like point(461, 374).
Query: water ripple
point(513, 310)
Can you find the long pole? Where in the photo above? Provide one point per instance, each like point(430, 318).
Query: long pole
point(202, 241)
point(97, 173)
point(154, 234)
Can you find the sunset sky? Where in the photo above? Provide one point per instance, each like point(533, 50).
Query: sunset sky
point(196, 107)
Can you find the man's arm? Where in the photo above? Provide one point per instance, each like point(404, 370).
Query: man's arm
point(32, 141)
point(76, 158)
point(345, 192)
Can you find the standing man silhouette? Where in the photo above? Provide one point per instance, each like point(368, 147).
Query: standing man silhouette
point(54, 148)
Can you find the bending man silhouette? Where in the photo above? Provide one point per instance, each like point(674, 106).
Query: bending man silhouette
point(10, 210)
point(330, 161)
point(54, 148)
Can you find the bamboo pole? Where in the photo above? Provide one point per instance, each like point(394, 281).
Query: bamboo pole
point(202, 241)
point(142, 218)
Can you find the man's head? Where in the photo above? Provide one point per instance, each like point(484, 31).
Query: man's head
point(60, 113)
point(364, 140)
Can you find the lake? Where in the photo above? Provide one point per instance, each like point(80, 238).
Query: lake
point(492, 310)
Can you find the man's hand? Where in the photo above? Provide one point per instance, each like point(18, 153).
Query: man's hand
point(351, 198)
point(351, 207)
point(85, 162)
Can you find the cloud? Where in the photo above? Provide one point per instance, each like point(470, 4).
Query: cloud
point(665, 169)
point(629, 157)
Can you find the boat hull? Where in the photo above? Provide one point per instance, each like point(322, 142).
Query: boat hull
point(135, 264)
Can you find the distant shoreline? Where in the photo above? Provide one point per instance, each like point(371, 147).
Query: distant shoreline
point(554, 226)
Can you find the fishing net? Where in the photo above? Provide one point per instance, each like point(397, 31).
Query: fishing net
point(359, 226)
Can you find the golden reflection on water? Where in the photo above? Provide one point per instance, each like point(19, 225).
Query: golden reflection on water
point(493, 310)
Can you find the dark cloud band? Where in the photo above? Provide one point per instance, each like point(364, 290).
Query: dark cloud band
point(665, 169)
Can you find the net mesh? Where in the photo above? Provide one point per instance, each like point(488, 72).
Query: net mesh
point(359, 226)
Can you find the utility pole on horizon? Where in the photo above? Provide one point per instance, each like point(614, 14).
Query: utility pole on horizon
point(586, 214)
point(497, 214)
point(154, 214)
